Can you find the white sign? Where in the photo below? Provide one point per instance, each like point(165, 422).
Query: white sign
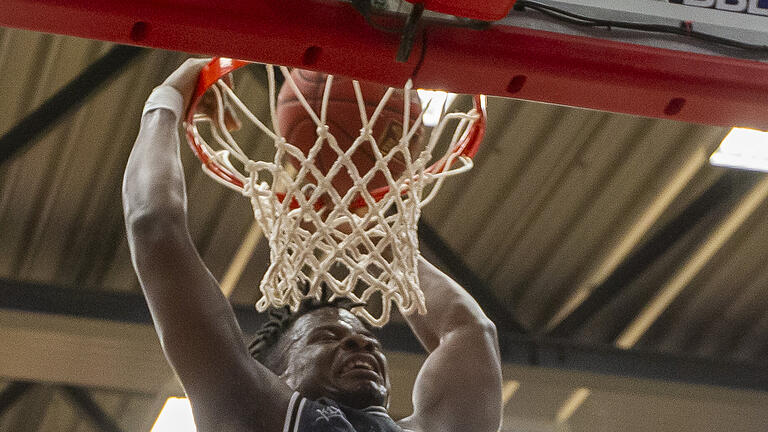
point(753, 7)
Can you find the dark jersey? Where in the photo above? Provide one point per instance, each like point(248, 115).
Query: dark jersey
point(325, 415)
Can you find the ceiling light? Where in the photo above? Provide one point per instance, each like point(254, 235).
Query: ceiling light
point(744, 149)
point(176, 416)
point(433, 102)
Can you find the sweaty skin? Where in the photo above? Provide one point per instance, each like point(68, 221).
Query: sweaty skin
point(330, 353)
point(326, 353)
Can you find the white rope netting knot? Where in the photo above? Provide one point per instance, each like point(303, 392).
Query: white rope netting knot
point(357, 243)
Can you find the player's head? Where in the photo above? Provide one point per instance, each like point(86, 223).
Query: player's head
point(324, 350)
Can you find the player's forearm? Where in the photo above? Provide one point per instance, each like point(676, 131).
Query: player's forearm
point(449, 308)
point(154, 206)
point(175, 281)
point(153, 186)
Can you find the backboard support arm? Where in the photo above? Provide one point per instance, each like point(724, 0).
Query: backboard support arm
point(503, 60)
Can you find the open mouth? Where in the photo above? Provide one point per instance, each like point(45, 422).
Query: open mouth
point(363, 365)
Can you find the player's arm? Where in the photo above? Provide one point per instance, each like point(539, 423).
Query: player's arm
point(195, 322)
point(459, 385)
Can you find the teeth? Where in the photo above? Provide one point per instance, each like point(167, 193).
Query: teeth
point(359, 364)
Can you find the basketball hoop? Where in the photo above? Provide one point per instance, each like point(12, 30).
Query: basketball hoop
point(357, 243)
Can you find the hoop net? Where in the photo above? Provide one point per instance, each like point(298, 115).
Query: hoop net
point(359, 243)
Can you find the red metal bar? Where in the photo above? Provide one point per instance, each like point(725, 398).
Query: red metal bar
point(476, 9)
point(507, 61)
point(599, 74)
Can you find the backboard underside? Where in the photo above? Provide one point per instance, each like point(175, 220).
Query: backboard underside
point(528, 55)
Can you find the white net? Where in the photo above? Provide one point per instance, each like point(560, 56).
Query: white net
point(360, 243)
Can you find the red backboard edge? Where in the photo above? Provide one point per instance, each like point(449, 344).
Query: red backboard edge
point(503, 60)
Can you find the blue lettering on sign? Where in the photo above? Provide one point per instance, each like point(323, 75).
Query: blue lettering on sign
point(753, 7)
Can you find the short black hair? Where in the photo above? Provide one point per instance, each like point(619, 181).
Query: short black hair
point(280, 321)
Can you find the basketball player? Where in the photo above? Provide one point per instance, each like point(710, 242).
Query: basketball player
point(320, 370)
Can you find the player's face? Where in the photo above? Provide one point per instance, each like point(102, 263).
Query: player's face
point(332, 354)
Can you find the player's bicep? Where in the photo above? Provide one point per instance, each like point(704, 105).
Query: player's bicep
point(185, 300)
point(459, 385)
point(198, 330)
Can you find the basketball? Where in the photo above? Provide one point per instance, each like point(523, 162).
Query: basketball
point(344, 123)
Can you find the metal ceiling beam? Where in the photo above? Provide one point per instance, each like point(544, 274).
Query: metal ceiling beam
point(69, 97)
point(85, 402)
point(641, 223)
point(475, 286)
point(612, 361)
point(12, 393)
point(515, 348)
point(721, 194)
point(112, 306)
point(669, 292)
point(666, 295)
